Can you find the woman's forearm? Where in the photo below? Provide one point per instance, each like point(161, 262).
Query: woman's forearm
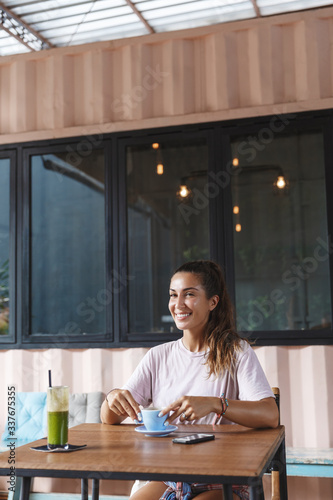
point(262, 413)
point(118, 405)
point(108, 416)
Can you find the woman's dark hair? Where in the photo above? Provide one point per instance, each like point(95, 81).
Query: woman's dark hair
point(220, 334)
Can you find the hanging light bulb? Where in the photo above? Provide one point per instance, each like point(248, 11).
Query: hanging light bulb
point(183, 192)
point(236, 209)
point(159, 169)
point(280, 182)
point(238, 228)
point(155, 145)
point(235, 162)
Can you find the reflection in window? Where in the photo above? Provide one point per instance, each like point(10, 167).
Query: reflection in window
point(165, 228)
point(4, 245)
point(280, 234)
point(68, 291)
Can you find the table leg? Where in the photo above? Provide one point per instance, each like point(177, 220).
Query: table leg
point(257, 492)
point(95, 489)
point(84, 489)
point(283, 471)
point(227, 492)
point(25, 488)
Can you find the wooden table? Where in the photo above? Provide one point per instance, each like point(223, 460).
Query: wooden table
point(238, 455)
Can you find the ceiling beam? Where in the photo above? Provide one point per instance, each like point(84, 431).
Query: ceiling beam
point(140, 16)
point(256, 8)
point(17, 37)
point(21, 30)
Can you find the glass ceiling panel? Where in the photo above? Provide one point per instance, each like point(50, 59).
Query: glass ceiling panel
point(246, 7)
point(144, 5)
point(67, 11)
point(75, 20)
point(270, 7)
point(206, 8)
point(123, 31)
point(195, 19)
point(67, 22)
point(23, 8)
point(90, 26)
point(11, 46)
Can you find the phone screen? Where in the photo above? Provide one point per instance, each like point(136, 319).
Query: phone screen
point(194, 438)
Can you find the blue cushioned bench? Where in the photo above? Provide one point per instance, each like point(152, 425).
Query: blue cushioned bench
point(311, 462)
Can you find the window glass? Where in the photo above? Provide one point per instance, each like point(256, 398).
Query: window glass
point(68, 293)
point(280, 232)
point(4, 245)
point(165, 227)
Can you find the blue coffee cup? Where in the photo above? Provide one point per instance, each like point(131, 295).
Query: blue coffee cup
point(151, 419)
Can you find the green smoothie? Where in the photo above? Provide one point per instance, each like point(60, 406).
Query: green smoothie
point(57, 424)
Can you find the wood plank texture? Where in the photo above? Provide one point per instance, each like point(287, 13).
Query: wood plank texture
point(240, 69)
point(236, 451)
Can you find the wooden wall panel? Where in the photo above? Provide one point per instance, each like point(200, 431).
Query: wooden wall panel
point(247, 68)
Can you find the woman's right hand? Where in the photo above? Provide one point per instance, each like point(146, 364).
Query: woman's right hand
point(122, 403)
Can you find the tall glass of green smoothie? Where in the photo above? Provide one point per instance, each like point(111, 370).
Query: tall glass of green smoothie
point(57, 417)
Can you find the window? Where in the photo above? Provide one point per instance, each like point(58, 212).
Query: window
point(162, 231)
point(68, 295)
point(282, 277)
point(92, 228)
point(4, 246)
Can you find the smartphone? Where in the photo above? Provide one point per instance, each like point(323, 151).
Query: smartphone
point(194, 438)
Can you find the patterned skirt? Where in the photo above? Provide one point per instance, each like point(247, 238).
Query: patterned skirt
point(186, 491)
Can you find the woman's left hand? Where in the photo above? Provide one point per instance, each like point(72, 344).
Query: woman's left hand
point(191, 408)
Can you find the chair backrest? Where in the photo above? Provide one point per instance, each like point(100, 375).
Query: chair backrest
point(31, 414)
point(84, 408)
point(276, 392)
point(275, 482)
point(30, 418)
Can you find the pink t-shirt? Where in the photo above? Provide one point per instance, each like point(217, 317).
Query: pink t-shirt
point(169, 371)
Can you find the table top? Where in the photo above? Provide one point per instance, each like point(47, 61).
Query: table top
point(119, 452)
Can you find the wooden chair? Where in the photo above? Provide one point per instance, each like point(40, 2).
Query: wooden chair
point(275, 473)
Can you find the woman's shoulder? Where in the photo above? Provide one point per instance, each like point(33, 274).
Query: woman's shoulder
point(244, 349)
point(166, 348)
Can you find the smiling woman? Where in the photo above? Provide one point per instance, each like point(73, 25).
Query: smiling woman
point(190, 307)
point(208, 376)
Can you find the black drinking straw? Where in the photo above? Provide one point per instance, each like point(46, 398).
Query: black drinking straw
point(50, 382)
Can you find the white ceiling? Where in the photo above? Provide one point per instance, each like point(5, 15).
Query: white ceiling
point(27, 25)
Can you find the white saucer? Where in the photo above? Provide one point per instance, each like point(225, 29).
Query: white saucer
point(168, 430)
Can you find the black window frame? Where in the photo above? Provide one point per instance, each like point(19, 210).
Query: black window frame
point(68, 340)
point(159, 136)
point(297, 122)
point(10, 154)
point(218, 136)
